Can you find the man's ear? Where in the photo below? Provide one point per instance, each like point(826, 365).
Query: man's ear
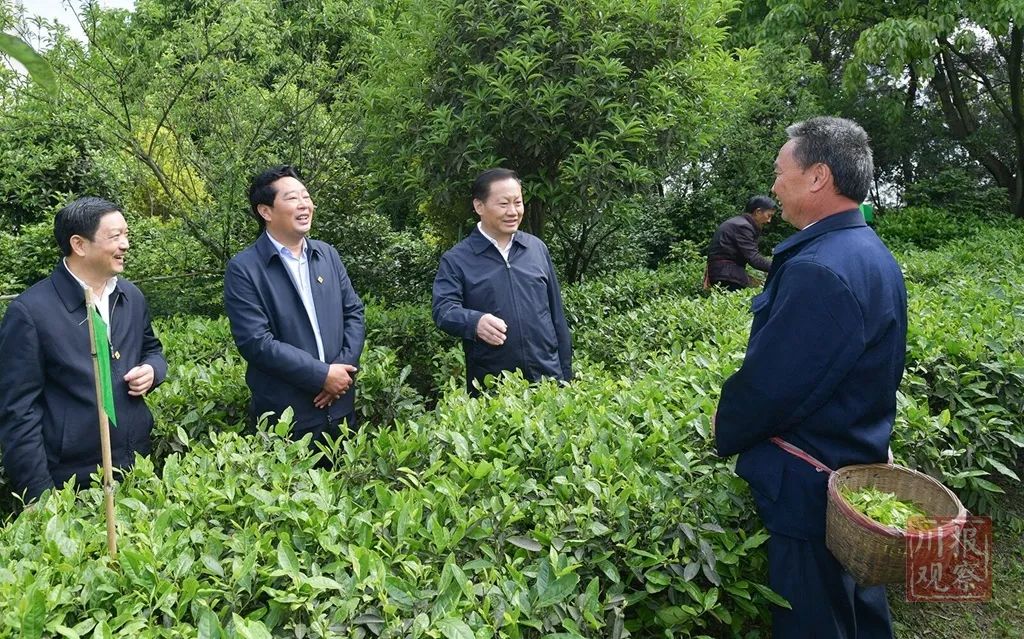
point(78, 245)
point(264, 211)
point(822, 175)
point(477, 205)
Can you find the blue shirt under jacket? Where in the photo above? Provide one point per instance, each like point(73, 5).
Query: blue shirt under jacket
point(475, 279)
point(823, 363)
point(274, 335)
point(49, 429)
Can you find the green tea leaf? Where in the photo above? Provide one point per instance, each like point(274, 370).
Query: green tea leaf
point(557, 590)
point(286, 558)
point(247, 629)
point(454, 629)
point(526, 543)
point(33, 617)
point(772, 596)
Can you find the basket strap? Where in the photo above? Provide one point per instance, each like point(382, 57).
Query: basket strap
point(796, 451)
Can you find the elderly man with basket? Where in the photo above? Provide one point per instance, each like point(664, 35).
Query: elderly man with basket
point(817, 387)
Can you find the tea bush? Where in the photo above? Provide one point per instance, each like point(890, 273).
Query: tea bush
point(591, 303)
point(594, 509)
point(962, 412)
point(409, 330)
point(205, 389)
point(923, 227)
point(530, 511)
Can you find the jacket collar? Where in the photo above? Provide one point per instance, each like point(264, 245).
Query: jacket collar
point(267, 251)
point(846, 219)
point(753, 222)
point(479, 243)
point(70, 292)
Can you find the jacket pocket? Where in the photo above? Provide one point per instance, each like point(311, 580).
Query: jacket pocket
point(78, 444)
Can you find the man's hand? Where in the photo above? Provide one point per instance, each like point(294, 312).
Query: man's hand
point(140, 380)
point(491, 329)
point(339, 380)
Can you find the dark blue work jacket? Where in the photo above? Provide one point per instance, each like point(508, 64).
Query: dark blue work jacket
point(273, 333)
point(823, 364)
point(475, 279)
point(48, 419)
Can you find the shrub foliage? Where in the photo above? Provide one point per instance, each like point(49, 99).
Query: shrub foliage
point(596, 509)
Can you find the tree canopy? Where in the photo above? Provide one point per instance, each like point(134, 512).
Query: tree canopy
point(633, 125)
point(591, 102)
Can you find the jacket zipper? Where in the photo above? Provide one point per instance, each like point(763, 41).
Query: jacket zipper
point(515, 310)
point(110, 326)
point(110, 344)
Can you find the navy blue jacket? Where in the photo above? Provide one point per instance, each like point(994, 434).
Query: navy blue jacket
point(48, 419)
point(474, 279)
point(273, 333)
point(823, 364)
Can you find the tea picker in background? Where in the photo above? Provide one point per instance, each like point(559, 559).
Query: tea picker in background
point(48, 416)
point(497, 290)
point(734, 245)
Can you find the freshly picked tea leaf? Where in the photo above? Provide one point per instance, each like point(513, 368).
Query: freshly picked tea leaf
point(886, 509)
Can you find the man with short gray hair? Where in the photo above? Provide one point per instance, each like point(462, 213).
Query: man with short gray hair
point(817, 388)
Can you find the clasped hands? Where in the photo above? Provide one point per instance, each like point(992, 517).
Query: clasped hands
point(339, 380)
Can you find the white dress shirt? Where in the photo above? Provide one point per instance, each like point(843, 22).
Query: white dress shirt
point(504, 251)
point(103, 303)
point(298, 268)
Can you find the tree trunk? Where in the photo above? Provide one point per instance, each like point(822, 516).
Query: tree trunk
point(906, 165)
point(535, 217)
point(963, 124)
point(1013, 71)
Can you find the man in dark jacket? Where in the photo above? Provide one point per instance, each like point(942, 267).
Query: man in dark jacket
point(734, 245)
point(497, 290)
point(823, 364)
point(49, 428)
point(294, 315)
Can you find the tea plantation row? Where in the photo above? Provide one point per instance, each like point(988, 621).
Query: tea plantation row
point(594, 509)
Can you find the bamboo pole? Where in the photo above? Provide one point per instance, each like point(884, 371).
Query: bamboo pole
point(108, 470)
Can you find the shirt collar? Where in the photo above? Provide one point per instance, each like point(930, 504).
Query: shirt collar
point(108, 288)
point(480, 227)
point(283, 250)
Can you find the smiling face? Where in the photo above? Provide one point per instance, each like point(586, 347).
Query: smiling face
point(290, 217)
point(789, 186)
point(102, 257)
point(502, 211)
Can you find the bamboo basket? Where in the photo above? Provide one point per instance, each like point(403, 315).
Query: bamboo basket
point(872, 552)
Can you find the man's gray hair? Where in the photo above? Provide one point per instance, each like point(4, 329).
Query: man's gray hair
point(840, 144)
